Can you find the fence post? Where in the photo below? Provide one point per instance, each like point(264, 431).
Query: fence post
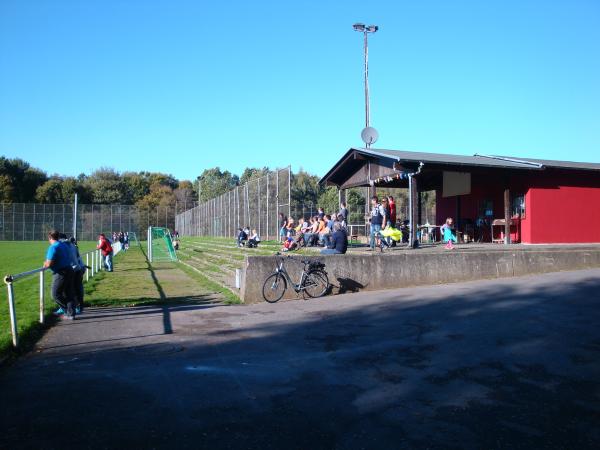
point(42, 296)
point(87, 263)
point(11, 310)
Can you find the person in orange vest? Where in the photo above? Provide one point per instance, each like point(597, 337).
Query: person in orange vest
point(105, 247)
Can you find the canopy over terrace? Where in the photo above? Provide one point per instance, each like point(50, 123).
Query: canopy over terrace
point(451, 176)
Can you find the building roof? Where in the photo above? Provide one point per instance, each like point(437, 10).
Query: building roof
point(477, 160)
point(480, 160)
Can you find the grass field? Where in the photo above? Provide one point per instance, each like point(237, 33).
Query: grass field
point(18, 257)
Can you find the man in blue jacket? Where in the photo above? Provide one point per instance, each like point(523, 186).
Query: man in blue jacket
point(58, 260)
point(338, 242)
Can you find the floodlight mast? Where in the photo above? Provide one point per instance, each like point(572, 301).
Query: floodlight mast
point(362, 28)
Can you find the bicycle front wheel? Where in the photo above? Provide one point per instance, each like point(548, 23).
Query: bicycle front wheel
point(274, 288)
point(316, 283)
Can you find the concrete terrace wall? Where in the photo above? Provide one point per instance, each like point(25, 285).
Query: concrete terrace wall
point(414, 268)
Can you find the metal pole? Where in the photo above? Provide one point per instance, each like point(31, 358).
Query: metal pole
point(289, 191)
point(13, 317)
point(42, 296)
point(75, 217)
point(367, 106)
point(33, 232)
point(268, 206)
point(87, 263)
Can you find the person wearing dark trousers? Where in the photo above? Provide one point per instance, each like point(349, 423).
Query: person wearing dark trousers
point(338, 242)
point(58, 260)
point(79, 269)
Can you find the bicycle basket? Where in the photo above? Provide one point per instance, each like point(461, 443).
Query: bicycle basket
point(316, 265)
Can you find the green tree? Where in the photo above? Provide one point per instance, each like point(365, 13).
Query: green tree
point(50, 191)
point(23, 176)
point(159, 196)
point(250, 173)
point(108, 187)
point(138, 184)
point(61, 190)
point(185, 196)
point(6, 189)
point(305, 189)
point(329, 200)
point(213, 182)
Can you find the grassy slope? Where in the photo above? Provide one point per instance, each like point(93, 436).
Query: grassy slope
point(18, 257)
point(136, 282)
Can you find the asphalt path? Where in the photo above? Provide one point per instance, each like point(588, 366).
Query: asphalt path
point(511, 363)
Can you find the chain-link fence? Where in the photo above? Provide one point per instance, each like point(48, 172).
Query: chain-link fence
point(256, 205)
point(32, 221)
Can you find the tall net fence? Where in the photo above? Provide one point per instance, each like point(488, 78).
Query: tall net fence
point(32, 221)
point(256, 205)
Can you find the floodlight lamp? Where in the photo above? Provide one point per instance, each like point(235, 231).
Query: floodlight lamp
point(372, 28)
point(359, 27)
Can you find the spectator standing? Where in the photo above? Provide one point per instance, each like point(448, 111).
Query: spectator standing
point(58, 260)
point(79, 269)
point(320, 213)
point(282, 226)
point(448, 235)
point(338, 244)
point(343, 215)
point(105, 247)
point(378, 220)
point(392, 207)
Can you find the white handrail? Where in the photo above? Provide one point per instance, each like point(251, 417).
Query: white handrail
point(10, 279)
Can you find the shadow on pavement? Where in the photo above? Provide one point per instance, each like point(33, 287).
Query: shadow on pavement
point(507, 364)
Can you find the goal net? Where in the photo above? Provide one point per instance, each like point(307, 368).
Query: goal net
point(160, 245)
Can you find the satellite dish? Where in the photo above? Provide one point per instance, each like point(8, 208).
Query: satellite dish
point(369, 135)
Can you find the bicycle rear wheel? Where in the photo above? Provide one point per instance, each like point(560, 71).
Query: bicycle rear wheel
point(316, 283)
point(274, 287)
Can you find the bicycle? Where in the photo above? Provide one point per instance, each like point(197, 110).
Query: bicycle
point(313, 281)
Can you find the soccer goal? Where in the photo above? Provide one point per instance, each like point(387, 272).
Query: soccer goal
point(160, 245)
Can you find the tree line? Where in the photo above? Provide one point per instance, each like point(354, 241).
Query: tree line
point(22, 183)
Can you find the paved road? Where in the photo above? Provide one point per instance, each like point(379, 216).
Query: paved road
point(513, 363)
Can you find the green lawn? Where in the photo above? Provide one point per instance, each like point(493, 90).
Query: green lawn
point(18, 257)
point(136, 282)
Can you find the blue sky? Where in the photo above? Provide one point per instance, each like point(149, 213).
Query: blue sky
point(180, 86)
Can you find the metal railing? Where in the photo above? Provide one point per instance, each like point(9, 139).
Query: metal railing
point(94, 257)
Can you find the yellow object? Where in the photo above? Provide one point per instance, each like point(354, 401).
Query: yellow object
point(393, 233)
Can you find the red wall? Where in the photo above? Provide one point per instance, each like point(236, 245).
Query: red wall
point(564, 214)
point(561, 206)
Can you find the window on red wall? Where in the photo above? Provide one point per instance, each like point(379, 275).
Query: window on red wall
point(518, 206)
